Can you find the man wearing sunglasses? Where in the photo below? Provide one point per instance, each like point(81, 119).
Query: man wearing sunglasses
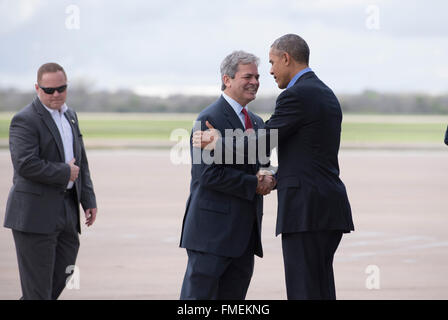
point(51, 178)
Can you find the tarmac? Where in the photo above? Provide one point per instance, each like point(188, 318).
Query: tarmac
point(399, 249)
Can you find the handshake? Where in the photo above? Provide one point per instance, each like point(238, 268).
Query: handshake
point(266, 182)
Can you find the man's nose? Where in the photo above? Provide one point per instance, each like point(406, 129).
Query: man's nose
point(56, 93)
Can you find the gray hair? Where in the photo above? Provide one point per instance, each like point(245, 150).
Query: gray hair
point(295, 46)
point(229, 65)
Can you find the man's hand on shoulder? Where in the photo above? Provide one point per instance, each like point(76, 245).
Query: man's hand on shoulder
point(206, 139)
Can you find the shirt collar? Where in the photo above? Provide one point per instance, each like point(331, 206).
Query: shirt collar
point(297, 76)
point(53, 111)
point(235, 105)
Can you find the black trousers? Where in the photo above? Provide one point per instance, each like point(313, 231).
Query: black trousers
point(212, 277)
point(308, 261)
point(43, 259)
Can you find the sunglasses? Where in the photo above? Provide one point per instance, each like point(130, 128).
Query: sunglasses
point(52, 90)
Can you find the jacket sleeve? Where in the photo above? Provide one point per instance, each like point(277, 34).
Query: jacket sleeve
point(223, 178)
point(88, 199)
point(229, 180)
point(24, 147)
point(288, 116)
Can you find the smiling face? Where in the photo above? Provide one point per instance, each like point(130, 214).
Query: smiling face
point(244, 86)
point(52, 80)
point(279, 68)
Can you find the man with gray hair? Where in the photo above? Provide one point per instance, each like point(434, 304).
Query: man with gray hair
point(222, 224)
point(313, 207)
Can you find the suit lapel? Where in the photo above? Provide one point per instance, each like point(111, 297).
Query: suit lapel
point(256, 126)
point(72, 120)
point(231, 116)
point(254, 120)
point(49, 122)
point(235, 123)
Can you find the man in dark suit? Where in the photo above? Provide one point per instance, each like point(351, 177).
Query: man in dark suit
point(51, 178)
point(222, 224)
point(313, 207)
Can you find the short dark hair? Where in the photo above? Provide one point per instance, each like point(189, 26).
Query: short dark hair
point(47, 68)
point(295, 46)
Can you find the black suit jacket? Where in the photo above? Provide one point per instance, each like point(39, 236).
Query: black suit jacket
point(40, 172)
point(222, 208)
point(446, 136)
point(311, 196)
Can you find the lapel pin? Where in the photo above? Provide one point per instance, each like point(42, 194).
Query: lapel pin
point(73, 121)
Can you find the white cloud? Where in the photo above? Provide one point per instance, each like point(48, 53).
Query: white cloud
point(178, 45)
point(15, 13)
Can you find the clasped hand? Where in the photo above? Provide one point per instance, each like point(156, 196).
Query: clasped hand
point(266, 182)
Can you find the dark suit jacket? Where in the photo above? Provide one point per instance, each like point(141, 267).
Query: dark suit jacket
point(222, 208)
point(311, 196)
point(40, 172)
point(446, 136)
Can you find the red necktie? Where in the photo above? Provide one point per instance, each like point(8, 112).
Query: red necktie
point(247, 121)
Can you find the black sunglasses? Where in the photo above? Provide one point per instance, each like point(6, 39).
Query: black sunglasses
point(52, 90)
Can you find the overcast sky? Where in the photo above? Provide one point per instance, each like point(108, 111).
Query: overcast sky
point(177, 46)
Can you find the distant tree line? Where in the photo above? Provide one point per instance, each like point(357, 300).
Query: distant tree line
point(127, 101)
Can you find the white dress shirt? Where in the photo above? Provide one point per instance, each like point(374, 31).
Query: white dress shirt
point(237, 108)
point(65, 130)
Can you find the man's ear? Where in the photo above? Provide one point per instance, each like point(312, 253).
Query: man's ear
point(226, 80)
point(286, 58)
point(36, 86)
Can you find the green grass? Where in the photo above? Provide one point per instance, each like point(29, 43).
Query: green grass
point(356, 128)
point(121, 126)
point(132, 129)
point(393, 132)
point(4, 127)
